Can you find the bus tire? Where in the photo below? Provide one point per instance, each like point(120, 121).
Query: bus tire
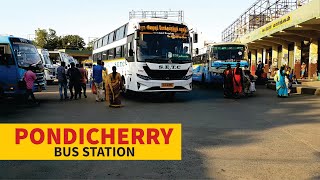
point(1, 93)
point(124, 88)
point(49, 82)
point(203, 79)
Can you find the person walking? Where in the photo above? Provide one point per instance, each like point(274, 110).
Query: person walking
point(113, 87)
point(237, 81)
point(228, 82)
point(83, 81)
point(62, 81)
point(74, 81)
point(281, 86)
point(29, 78)
point(104, 79)
point(98, 81)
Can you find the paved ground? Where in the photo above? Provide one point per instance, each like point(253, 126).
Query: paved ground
point(257, 138)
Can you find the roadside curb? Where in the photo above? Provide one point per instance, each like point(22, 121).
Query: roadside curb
point(299, 89)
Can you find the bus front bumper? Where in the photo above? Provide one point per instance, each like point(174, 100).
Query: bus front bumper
point(165, 86)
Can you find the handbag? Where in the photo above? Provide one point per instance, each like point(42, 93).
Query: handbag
point(94, 88)
point(22, 84)
point(252, 87)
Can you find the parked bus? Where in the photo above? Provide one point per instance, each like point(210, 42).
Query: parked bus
point(152, 55)
point(16, 55)
point(216, 59)
point(57, 57)
point(49, 69)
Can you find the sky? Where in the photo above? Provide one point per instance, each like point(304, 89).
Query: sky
point(95, 18)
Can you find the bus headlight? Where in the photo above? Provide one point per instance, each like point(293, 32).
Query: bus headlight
point(144, 77)
point(187, 77)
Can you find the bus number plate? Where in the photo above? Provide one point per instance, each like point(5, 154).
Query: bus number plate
point(167, 85)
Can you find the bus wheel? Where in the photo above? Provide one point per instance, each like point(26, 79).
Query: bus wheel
point(49, 82)
point(1, 93)
point(124, 88)
point(203, 79)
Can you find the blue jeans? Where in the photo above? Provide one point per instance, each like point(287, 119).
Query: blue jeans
point(64, 86)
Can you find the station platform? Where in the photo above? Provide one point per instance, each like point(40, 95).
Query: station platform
point(308, 87)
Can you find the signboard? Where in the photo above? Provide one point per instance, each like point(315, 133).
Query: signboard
point(163, 27)
point(275, 24)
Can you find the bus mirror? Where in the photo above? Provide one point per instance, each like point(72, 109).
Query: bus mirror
point(131, 52)
point(136, 35)
point(195, 38)
point(197, 51)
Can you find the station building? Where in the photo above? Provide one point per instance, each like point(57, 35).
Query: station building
point(292, 39)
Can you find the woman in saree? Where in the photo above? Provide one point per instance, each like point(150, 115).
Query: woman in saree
point(228, 82)
point(113, 88)
point(237, 81)
point(281, 86)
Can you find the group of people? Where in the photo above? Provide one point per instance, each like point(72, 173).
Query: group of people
point(75, 78)
point(238, 82)
point(284, 79)
point(108, 86)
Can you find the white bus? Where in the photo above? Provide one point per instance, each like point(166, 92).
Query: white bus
point(57, 57)
point(151, 54)
point(50, 71)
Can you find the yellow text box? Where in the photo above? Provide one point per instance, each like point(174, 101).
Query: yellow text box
point(90, 141)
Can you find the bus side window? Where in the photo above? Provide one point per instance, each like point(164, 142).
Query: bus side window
point(6, 57)
point(130, 50)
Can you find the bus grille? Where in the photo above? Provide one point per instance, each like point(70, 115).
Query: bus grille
point(40, 78)
point(165, 74)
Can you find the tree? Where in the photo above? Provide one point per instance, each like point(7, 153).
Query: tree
point(41, 38)
point(72, 42)
point(52, 40)
point(90, 45)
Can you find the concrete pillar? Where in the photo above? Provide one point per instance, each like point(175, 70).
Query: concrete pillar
point(264, 56)
point(313, 60)
point(274, 59)
point(253, 61)
point(267, 58)
point(285, 55)
point(297, 59)
point(260, 55)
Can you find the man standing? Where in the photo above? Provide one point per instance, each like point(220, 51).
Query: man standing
point(74, 81)
point(84, 80)
point(98, 82)
point(30, 77)
point(62, 80)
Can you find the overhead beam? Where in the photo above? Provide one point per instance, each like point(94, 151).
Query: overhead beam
point(306, 34)
point(259, 46)
point(290, 37)
point(276, 40)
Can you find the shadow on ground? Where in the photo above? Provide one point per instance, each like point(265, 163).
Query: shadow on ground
point(208, 120)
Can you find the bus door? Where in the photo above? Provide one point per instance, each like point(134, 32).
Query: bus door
point(8, 70)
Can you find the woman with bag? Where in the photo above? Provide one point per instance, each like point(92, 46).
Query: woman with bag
point(113, 87)
point(281, 86)
point(237, 81)
point(228, 82)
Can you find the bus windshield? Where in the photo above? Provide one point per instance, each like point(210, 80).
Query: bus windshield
point(26, 54)
point(228, 52)
point(157, 47)
point(47, 59)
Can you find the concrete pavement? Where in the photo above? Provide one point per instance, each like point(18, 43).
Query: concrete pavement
point(262, 137)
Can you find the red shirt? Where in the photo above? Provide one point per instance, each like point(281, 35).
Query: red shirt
point(30, 77)
point(84, 75)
